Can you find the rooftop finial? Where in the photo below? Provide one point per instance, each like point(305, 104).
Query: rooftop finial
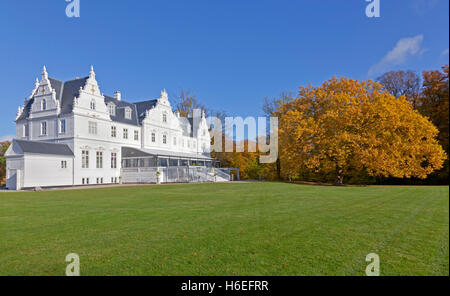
point(44, 73)
point(92, 73)
point(164, 94)
point(36, 84)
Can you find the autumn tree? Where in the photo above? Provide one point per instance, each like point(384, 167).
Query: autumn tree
point(434, 101)
point(402, 83)
point(271, 109)
point(346, 127)
point(3, 147)
point(186, 102)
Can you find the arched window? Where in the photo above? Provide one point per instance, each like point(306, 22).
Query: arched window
point(153, 137)
point(44, 105)
point(164, 117)
point(92, 104)
point(164, 139)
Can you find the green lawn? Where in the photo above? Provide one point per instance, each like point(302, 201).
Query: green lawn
point(226, 229)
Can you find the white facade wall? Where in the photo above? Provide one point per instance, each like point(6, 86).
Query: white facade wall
point(54, 174)
point(14, 172)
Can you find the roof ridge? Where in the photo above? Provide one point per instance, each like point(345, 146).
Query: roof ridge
point(151, 100)
point(80, 78)
point(55, 79)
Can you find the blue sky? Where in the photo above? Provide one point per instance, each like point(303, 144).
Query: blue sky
point(231, 54)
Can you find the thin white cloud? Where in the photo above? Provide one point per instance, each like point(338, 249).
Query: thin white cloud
point(6, 138)
point(445, 52)
point(404, 49)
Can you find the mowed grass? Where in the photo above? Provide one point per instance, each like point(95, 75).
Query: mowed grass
point(226, 229)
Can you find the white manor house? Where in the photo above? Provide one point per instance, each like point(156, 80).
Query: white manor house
point(69, 133)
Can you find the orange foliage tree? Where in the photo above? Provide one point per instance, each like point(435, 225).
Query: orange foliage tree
point(435, 100)
point(347, 127)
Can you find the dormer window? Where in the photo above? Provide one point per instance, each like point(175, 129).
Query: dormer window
point(112, 109)
point(128, 113)
point(44, 105)
point(93, 105)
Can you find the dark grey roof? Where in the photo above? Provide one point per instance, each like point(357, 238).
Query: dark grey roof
point(65, 93)
point(133, 152)
point(144, 106)
point(120, 111)
point(26, 110)
point(186, 125)
point(44, 148)
point(128, 152)
point(71, 89)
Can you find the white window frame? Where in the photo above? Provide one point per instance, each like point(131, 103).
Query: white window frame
point(85, 159)
point(125, 133)
point(43, 128)
point(112, 109)
point(93, 105)
point(25, 131)
point(62, 126)
point(92, 126)
point(99, 159)
point(113, 160)
point(128, 113)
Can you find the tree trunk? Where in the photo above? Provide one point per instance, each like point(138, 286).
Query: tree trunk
point(339, 181)
point(278, 168)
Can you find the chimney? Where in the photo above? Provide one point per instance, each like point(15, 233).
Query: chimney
point(118, 96)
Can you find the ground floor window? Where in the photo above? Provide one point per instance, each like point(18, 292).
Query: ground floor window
point(162, 162)
point(85, 159)
point(99, 159)
point(113, 160)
